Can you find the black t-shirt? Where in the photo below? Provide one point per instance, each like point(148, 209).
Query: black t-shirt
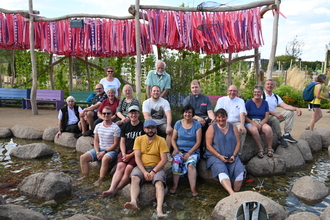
point(131, 132)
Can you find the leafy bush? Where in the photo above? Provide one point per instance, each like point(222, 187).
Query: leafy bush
point(291, 96)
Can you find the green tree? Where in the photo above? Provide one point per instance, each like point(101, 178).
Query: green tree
point(294, 48)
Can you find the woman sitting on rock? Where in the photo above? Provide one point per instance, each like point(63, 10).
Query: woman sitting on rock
point(222, 147)
point(256, 121)
point(186, 139)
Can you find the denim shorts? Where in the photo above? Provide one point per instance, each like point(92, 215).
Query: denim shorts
point(112, 154)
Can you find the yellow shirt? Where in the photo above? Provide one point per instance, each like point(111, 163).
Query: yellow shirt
point(150, 152)
point(316, 101)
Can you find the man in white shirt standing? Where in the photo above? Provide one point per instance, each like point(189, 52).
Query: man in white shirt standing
point(235, 108)
point(275, 118)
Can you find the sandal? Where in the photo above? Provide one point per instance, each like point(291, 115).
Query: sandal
point(270, 152)
point(261, 154)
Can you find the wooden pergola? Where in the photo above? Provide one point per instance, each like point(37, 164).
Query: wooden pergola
point(30, 14)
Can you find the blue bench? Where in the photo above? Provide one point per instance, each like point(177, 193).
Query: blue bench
point(48, 96)
point(81, 96)
point(14, 95)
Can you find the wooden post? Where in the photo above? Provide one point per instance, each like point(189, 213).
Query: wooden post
point(70, 72)
point(51, 78)
point(138, 51)
point(256, 65)
point(88, 75)
point(229, 70)
point(33, 61)
point(12, 67)
point(274, 42)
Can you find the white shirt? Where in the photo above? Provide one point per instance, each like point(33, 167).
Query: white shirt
point(157, 109)
point(234, 107)
point(107, 84)
point(273, 102)
point(72, 118)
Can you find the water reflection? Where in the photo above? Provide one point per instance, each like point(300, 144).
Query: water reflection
point(87, 199)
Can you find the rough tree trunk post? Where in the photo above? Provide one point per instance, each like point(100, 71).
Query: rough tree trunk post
point(12, 67)
point(88, 75)
point(274, 42)
point(70, 72)
point(33, 95)
point(138, 51)
point(230, 81)
point(256, 64)
point(51, 78)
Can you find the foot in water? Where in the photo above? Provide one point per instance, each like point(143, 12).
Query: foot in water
point(131, 205)
point(107, 193)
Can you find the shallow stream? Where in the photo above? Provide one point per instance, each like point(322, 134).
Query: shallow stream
point(87, 199)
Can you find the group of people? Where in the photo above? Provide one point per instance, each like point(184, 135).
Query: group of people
point(142, 148)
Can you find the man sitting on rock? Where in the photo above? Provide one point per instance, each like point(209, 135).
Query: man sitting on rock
point(275, 118)
point(68, 117)
point(89, 114)
point(150, 152)
point(106, 142)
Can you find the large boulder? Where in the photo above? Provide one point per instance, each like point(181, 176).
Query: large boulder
point(325, 136)
point(16, 212)
point(83, 217)
point(305, 150)
point(26, 132)
point(49, 133)
point(226, 207)
point(325, 214)
point(84, 144)
point(266, 166)
point(5, 132)
point(32, 151)
point(303, 215)
point(292, 157)
point(204, 173)
point(147, 194)
point(313, 139)
point(47, 186)
point(66, 139)
point(309, 189)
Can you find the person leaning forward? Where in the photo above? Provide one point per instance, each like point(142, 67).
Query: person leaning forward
point(150, 152)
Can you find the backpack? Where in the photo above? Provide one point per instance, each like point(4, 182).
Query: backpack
point(308, 93)
point(264, 96)
point(251, 210)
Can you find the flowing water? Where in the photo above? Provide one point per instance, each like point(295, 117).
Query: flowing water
point(87, 199)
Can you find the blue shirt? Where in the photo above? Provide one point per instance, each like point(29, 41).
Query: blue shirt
point(254, 112)
point(186, 137)
point(164, 82)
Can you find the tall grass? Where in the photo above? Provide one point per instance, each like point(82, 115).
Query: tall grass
point(297, 78)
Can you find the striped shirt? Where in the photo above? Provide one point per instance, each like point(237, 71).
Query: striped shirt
point(107, 134)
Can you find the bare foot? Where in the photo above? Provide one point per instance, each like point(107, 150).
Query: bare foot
point(98, 182)
point(160, 214)
point(172, 190)
point(83, 177)
point(195, 193)
point(107, 193)
point(130, 205)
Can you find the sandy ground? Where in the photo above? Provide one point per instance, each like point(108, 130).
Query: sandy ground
point(46, 118)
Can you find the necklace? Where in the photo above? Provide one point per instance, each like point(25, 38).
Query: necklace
point(222, 127)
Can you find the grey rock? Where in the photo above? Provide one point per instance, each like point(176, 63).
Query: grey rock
point(303, 215)
point(305, 150)
point(204, 173)
point(325, 214)
point(147, 194)
point(83, 217)
point(32, 151)
point(84, 144)
point(26, 132)
point(49, 133)
point(292, 156)
point(325, 136)
point(309, 189)
point(266, 166)
point(51, 203)
point(52, 185)
point(2, 201)
point(66, 139)
point(226, 208)
point(16, 212)
point(313, 139)
point(5, 132)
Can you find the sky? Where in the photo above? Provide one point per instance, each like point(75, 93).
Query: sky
point(308, 20)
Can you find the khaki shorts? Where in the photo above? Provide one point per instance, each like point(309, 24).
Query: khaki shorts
point(159, 176)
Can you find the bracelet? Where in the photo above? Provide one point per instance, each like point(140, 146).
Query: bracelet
point(123, 154)
point(97, 153)
point(154, 171)
point(189, 152)
point(106, 151)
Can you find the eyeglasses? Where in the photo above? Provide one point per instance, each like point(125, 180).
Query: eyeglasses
point(110, 71)
point(232, 90)
point(98, 88)
point(106, 113)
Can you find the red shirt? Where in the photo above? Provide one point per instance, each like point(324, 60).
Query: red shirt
point(113, 106)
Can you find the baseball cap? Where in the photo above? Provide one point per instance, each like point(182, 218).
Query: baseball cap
point(149, 123)
point(134, 108)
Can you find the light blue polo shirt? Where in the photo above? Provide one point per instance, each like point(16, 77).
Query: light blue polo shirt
point(164, 82)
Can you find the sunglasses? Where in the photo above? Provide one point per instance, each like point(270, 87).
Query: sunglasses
point(98, 88)
point(110, 71)
point(106, 113)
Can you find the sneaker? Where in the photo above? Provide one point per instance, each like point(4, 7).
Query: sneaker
point(288, 138)
point(282, 142)
point(88, 133)
point(78, 135)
